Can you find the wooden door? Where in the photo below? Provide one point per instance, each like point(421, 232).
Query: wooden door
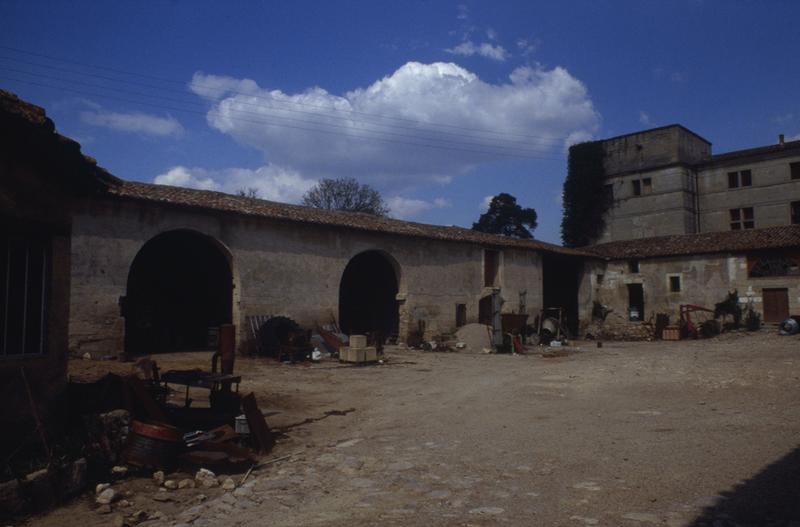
point(776, 305)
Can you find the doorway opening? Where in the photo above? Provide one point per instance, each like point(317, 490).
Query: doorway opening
point(561, 276)
point(180, 290)
point(635, 302)
point(368, 296)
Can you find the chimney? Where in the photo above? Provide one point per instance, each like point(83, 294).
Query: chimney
point(780, 139)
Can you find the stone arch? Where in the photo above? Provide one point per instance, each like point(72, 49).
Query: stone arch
point(180, 284)
point(368, 294)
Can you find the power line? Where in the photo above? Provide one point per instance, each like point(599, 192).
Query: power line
point(490, 144)
point(183, 84)
point(355, 132)
point(470, 135)
point(197, 112)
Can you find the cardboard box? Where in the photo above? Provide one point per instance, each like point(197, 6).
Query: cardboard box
point(358, 341)
point(344, 354)
point(370, 354)
point(357, 355)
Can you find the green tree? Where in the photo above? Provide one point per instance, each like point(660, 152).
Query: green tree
point(586, 199)
point(507, 218)
point(345, 194)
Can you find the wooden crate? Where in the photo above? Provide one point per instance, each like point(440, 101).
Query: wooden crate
point(671, 333)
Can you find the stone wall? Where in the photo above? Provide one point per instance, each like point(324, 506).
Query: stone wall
point(654, 148)
point(289, 269)
point(690, 191)
point(704, 280)
point(28, 201)
point(770, 195)
point(667, 207)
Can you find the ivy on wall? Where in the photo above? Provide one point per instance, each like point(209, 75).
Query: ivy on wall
point(585, 199)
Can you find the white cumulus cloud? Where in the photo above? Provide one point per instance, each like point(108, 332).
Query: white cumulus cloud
point(404, 208)
point(134, 122)
point(270, 182)
point(484, 49)
point(422, 123)
point(180, 176)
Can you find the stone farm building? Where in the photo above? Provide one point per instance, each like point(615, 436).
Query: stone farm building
point(666, 181)
point(98, 265)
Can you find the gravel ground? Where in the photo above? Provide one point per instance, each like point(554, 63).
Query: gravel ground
point(662, 433)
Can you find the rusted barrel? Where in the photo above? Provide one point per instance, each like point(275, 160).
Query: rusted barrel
point(153, 445)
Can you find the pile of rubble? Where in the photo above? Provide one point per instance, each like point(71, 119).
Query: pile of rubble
point(137, 424)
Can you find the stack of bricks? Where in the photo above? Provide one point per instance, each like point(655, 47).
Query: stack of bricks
point(358, 351)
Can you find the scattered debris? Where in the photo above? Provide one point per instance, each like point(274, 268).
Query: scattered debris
point(473, 337)
point(688, 328)
point(790, 326)
point(260, 432)
point(671, 333)
point(282, 338)
point(358, 352)
point(105, 497)
point(153, 445)
point(552, 325)
point(206, 479)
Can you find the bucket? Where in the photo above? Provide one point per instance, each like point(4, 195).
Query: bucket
point(240, 425)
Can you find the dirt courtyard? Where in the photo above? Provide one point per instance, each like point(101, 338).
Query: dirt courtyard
point(689, 433)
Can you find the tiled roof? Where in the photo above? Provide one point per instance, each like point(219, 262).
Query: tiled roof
point(787, 236)
point(787, 148)
point(19, 116)
point(26, 126)
point(204, 199)
point(657, 129)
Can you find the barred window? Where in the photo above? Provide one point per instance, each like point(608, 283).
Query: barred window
point(24, 278)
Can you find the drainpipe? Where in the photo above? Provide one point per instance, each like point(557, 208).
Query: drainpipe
point(696, 202)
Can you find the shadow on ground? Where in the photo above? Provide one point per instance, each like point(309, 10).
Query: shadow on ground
point(769, 499)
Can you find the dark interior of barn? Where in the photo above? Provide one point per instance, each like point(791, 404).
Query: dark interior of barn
point(179, 290)
point(368, 296)
point(561, 279)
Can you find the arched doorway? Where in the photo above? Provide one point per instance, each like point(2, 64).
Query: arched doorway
point(368, 295)
point(180, 285)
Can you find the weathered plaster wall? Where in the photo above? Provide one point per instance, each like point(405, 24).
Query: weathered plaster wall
point(705, 281)
point(26, 196)
point(667, 208)
point(279, 269)
point(770, 195)
point(653, 148)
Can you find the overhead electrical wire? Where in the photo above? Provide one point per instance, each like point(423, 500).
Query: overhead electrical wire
point(501, 147)
point(359, 128)
point(299, 103)
point(368, 138)
point(470, 133)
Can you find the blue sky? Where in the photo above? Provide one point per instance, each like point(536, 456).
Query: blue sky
point(436, 104)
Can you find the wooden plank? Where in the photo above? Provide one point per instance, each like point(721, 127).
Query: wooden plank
point(259, 429)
